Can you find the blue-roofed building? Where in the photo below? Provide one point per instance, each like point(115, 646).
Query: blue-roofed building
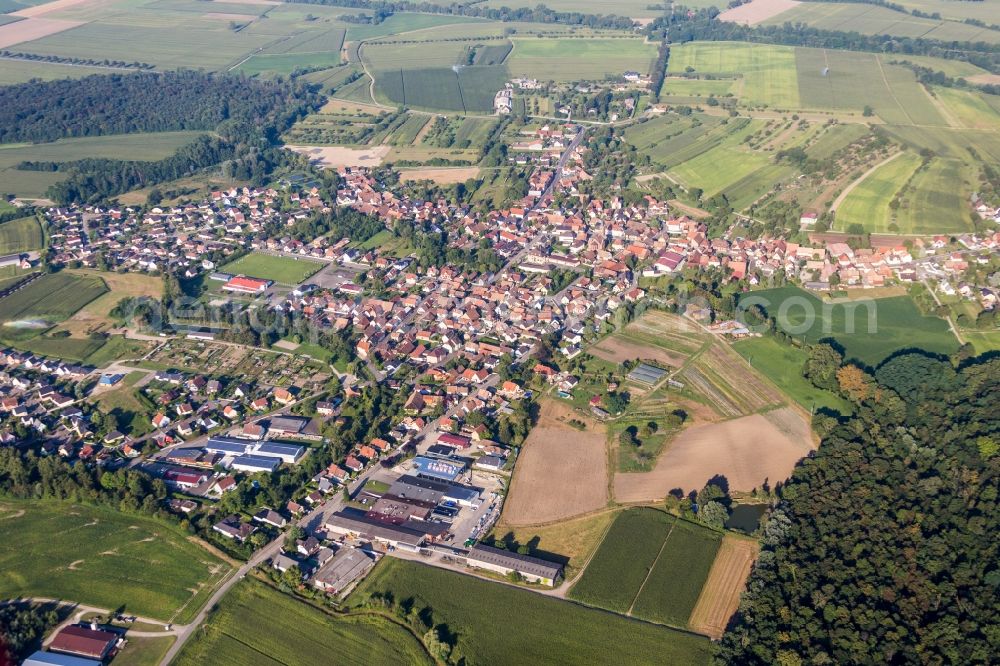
point(289, 453)
point(110, 379)
point(41, 658)
point(436, 468)
point(228, 446)
point(249, 463)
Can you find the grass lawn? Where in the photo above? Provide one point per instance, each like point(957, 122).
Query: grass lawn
point(880, 327)
point(103, 557)
point(256, 624)
point(783, 365)
point(674, 584)
point(144, 651)
point(283, 270)
point(494, 621)
point(983, 341)
point(20, 236)
point(116, 348)
point(619, 567)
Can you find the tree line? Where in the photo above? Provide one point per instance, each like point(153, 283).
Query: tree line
point(538, 14)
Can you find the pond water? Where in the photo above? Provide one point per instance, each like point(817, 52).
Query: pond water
point(746, 517)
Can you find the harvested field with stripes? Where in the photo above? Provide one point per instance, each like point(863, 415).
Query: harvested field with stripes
point(720, 596)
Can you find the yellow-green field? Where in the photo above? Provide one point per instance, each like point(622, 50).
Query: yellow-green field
point(571, 59)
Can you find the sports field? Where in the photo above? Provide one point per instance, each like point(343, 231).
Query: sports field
point(567, 59)
point(46, 301)
point(868, 330)
point(105, 558)
point(280, 269)
point(20, 235)
point(257, 624)
point(536, 628)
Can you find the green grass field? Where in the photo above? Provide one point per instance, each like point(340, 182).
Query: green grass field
point(20, 235)
point(149, 146)
point(880, 327)
point(680, 572)
point(868, 203)
point(256, 624)
point(19, 71)
point(567, 59)
point(103, 557)
point(935, 201)
point(493, 622)
point(872, 20)
point(768, 72)
point(783, 365)
point(280, 269)
point(48, 300)
point(619, 567)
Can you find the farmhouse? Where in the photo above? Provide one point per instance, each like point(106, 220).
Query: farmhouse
point(245, 285)
point(505, 562)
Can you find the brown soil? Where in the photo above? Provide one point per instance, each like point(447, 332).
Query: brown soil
point(561, 472)
point(757, 11)
point(747, 451)
point(32, 28)
point(337, 156)
point(720, 596)
point(617, 350)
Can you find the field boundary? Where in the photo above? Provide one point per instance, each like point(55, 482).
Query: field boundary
point(652, 566)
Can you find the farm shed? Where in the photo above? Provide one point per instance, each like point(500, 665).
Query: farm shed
point(646, 374)
point(501, 561)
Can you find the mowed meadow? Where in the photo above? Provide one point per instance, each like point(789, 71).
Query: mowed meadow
point(103, 558)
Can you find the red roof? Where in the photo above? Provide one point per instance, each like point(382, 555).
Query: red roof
point(85, 642)
point(245, 283)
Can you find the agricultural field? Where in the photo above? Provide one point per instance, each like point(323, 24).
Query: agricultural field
point(95, 315)
point(569, 59)
point(462, 89)
point(22, 235)
point(280, 269)
point(104, 557)
point(969, 110)
point(880, 326)
point(678, 575)
point(934, 201)
point(619, 568)
point(561, 472)
point(630, 8)
point(874, 20)
point(150, 146)
point(46, 301)
point(20, 71)
point(720, 596)
point(768, 72)
point(748, 451)
point(469, 609)
point(868, 203)
point(659, 337)
point(783, 365)
point(256, 624)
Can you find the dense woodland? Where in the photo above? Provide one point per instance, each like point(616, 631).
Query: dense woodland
point(246, 116)
point(22, 626)
point(883, 547)
point(143, 102)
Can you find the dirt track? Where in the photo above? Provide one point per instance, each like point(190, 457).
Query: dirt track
point(561, 472)
point(747, 451)
point(720, 596)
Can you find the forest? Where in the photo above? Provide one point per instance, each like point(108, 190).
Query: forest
point(104, 104)
point(246, 116)
point(882, 548)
